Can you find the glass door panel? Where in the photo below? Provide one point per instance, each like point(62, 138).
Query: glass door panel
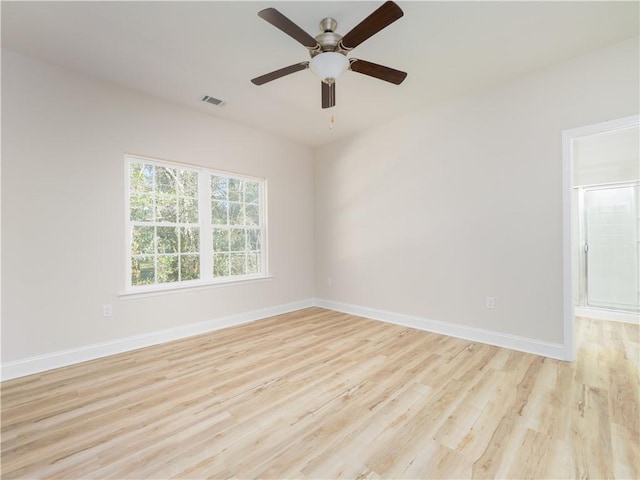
point(612, 248)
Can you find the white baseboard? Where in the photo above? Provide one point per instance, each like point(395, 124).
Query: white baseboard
point(63, 358)
point(611, 315)
point(505, 340)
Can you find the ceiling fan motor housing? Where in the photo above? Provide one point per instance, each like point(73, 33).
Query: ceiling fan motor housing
point(328, 40)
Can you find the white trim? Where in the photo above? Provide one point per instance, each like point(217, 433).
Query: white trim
point(178, 287)
point(63, 358)
point(601, 186)
point(504, 340)
point(603, 127)
point(600, 314)
point(567, 263)
point(568, 136)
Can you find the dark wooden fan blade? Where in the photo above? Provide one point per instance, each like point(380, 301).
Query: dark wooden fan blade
point(384, 16)
point(278, 20)
point(378, 71)
point(328, 95)
point(267, 77)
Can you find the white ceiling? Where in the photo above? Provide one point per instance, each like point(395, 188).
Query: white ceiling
point(181, 51)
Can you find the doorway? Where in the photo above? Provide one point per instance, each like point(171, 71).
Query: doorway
point(600, 175)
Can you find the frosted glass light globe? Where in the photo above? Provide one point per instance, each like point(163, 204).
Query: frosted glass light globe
point(329, 65)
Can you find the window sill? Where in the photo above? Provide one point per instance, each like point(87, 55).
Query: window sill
point(155, 290)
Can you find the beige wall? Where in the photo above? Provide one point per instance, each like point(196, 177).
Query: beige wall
point(429, 214)
point(63, 238)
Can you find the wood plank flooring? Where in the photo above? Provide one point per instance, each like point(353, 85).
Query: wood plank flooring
point(321, 394)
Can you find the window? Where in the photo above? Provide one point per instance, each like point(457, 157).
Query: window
point(235, 216)
point(192, 226)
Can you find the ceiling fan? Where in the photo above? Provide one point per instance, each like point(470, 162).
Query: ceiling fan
point(329, 50)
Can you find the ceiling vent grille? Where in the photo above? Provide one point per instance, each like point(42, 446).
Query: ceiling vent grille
point(214, 101)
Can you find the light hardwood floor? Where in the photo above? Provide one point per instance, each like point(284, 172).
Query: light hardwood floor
point(320, 394)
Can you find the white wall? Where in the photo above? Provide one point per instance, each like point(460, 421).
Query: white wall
point(63, 238)
point(429, 214)
point(607, 157)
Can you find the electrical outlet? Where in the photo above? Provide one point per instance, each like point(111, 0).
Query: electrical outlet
point(490, 302)
point(106, 310)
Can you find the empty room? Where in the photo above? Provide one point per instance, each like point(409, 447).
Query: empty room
point(320, 239)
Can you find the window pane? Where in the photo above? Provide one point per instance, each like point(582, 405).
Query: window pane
point(251, 191)
point(221, 265)
point(252, 215)
point(253, 263)
point(237, 264)
point(141, 207)
point(167, 268)
point(253, 239)
point(219, 188)
point(236, 214)
point(166, 208)
point(142, 240)
point(189, 240)
point(188, 184)
point(237, 240)
point(142, 271)
point(141, 177)
point(219, 212)
point(167, 239)
point(235, 190)
point(188, 210)
point(166, 180)
point(220, 240)
point(189, 267)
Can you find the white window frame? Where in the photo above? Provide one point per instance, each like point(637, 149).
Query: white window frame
point(206, 230)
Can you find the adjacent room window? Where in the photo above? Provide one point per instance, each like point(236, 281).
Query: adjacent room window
point(192, 226)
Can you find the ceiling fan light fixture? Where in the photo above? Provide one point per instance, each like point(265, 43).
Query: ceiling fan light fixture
point(329, 65)
point(329, 50)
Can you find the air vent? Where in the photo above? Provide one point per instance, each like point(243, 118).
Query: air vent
point(214, 101)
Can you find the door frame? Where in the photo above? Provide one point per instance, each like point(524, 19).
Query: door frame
point(568, 137)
